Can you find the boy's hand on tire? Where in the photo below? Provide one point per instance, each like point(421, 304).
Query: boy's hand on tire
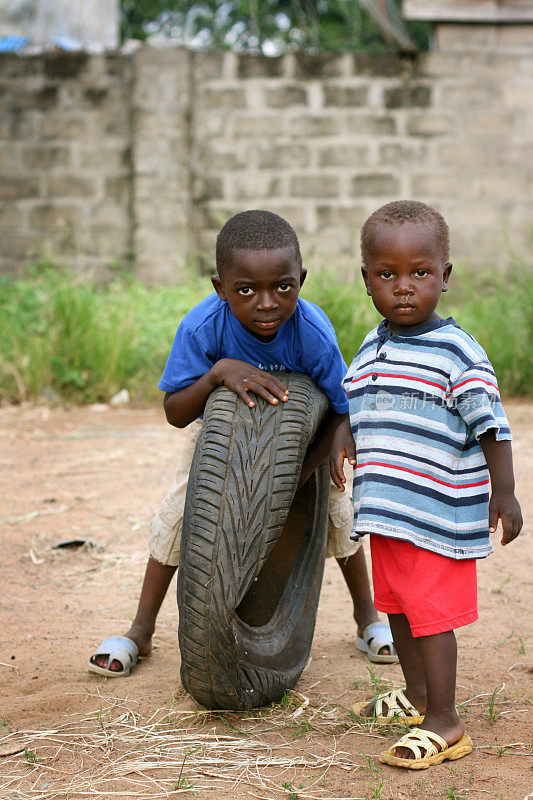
point(242, 378)
point(342, 447)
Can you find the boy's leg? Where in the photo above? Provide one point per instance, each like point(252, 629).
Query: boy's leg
point(439, 657)
point(164, 545)
point(429, 665)
point(156, 581)
point(440, 594)
point(350, 557)
point(355, 574)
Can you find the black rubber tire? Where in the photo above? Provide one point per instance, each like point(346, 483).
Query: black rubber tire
point(250, 572)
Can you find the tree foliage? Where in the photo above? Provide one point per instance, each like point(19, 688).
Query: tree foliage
point(270, 27)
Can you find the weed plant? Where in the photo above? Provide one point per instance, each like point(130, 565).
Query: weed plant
point(70, 338)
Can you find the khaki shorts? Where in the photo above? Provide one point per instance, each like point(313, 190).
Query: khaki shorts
point(164, 536)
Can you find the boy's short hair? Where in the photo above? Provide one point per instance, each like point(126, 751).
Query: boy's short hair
point(254, 230)
point(398, 213)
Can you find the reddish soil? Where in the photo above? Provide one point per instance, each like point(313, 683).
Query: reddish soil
point(97, 474)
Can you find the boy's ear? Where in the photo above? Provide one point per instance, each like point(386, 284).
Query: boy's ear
point(364, 273)
point(446, 272)
point(218, 287)
point(303, 276)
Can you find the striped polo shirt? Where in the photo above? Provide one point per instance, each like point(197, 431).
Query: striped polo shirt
point(419, 401)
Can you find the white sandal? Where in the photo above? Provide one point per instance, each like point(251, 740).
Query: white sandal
point(116, 648)
point(376, 636)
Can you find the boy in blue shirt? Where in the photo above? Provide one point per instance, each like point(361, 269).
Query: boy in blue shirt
point(254, 322)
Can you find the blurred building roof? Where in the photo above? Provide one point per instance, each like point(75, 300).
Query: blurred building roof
point(91, 25)
point(495, 11)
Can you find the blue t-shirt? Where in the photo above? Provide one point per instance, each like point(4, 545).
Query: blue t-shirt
point(305, 343)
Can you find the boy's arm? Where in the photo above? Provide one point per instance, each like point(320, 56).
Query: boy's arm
point(342, 447)
point(503, 503)
point(334, 439)
point(185, 405)
point(320, 448)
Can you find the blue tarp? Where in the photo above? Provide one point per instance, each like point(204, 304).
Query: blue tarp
point(11, 44)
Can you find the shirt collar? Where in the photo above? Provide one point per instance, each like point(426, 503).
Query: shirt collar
point(424, 327)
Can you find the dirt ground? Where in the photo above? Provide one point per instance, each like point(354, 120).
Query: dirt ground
point(97, 474)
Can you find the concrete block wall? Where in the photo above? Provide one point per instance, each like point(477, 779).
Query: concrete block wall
point(142, 157)
point(65, 159)
point(326, 140)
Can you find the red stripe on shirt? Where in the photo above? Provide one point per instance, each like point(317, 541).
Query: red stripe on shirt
point(405, 377)
point(489, 383)
point(420, 474)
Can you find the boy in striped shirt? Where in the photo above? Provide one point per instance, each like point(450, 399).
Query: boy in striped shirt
point(428, 430)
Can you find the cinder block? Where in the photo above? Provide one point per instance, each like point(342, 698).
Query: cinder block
point(47, 216)
point(470, 94)
point(226, 97)
point(19, 67)
point(406, 153)
point(450, 36)
point(343, 155)
point(70, 186)
point(19, 187)
point(48, 156)
point(519, 96)
point(320, 185)
point(117, 157)
point(207, 66)
point(65, 65)
point(250, 185)
point(257, 125)
point(437, 65)
point(282, 155)
point(95, 95)
point(313, 125)
point(330, 216)
point(345, 95)
point(434, 184)
point(370, 124)
point(283, 96)
point(380, 64)
point(250, 66)
point(375, 185)
point(63, 126)
point(208, 187)
point(215, 154)
point(40, 98)
point(17, 123)
point(407, 96)
point(18, 244)
point(516, 36)
point(429, 124)
point(322, 65)
point(12, 216)
point(11, 153)
point(117, 188)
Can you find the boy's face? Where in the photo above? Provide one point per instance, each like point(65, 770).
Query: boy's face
point(406, 274)
point(261, 288)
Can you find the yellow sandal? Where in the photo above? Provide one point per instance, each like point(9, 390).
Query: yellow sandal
point(428, 749)
point(390, 707)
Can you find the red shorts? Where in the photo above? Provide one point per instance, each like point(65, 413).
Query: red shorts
point(435, 593)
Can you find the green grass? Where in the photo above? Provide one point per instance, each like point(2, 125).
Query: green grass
point(67, 338)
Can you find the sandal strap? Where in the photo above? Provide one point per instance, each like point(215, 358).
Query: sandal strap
point(394, 703)
point(418, 739)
